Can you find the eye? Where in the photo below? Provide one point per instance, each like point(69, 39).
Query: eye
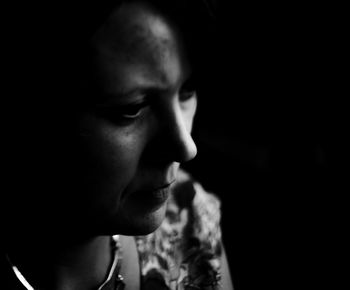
point(186, 95)
point(188, 90)
point(131, 111)
point(121, 113)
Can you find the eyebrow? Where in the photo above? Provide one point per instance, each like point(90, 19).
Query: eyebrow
point(111, 97)
point(149, 88)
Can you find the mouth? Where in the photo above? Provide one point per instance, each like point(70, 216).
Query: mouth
point(154, 197)
point(166, 185)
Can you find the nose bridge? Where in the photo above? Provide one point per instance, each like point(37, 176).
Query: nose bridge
point(179, 129)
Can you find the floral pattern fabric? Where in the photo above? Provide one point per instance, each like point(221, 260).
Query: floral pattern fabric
point(185, 251)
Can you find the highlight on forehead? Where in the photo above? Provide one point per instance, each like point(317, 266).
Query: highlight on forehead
point(133, 27)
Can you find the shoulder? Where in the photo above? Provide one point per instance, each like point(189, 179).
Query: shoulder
point(186, 249)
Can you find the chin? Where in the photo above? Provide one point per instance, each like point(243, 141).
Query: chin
point(142, 223)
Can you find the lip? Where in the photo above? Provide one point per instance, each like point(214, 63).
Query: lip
point(155, 196)
point(166, 185)
point(149, 189)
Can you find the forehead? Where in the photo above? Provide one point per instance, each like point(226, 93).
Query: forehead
point(138, 36)
point(137, 30)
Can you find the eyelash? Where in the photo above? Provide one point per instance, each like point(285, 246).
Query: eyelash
point(129, 113)
point(124, 113)
point(132, 111)
point(188, 90)
point(185, 96)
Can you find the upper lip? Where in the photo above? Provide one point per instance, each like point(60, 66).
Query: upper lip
point(155, 188)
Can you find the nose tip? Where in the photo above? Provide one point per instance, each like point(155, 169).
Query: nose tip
point(173, 140)
point(183, 146)
point(186, 147)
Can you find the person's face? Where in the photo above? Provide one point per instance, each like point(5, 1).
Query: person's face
point(138, 130)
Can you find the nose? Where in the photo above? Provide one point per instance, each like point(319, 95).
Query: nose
point(177, 128)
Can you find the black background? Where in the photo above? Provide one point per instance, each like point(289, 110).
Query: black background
point(269, 131)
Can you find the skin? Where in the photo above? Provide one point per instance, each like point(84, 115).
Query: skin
point(132, 140)
point(138, 131)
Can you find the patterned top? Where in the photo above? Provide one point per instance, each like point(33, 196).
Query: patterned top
point(184, 253)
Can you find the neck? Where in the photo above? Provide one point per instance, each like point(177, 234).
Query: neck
point(76, 265)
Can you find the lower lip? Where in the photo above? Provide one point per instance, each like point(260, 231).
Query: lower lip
point(153, 199)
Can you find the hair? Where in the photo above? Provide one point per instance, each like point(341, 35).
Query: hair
point(45, 95)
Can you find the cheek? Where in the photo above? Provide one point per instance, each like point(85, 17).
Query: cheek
point(112, 155)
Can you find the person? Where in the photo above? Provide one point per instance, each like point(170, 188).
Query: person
point(106, 205)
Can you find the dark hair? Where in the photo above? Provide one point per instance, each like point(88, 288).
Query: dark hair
point(44, 94)
point(53, 40)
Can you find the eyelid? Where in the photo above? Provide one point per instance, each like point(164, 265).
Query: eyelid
point(119, 113)
point(188, 90)
point(184, 96)
point(136, 107)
